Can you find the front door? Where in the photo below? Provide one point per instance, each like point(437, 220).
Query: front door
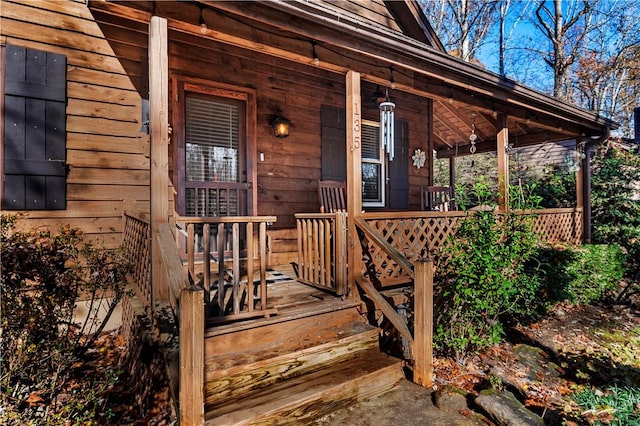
point(214, 150)
point(214, 153)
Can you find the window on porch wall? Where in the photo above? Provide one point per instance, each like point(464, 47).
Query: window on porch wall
point(385, 183)
point(373, 166)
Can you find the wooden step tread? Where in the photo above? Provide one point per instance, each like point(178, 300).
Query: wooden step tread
point(332, 304)
point(275, 333)
point(294, 342)
point(233, 376)
point(368, 374)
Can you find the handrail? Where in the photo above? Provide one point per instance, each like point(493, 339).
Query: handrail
point(421, 271)
point(177, 280)
point(386, 308)
point(188, 303)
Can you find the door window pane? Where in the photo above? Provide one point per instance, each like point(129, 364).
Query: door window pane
point(212, 140)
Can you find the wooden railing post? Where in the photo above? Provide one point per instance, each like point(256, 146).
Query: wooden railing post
point(192, 356)
point(423, 326)
point(341, 239)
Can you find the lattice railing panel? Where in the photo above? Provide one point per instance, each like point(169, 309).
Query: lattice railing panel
point(136, 241)
point(421, 234)
point(416, 235)
point(558, 226)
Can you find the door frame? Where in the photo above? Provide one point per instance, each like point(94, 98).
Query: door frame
point(180, 84)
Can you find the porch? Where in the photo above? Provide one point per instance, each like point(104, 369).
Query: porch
point(294, 339)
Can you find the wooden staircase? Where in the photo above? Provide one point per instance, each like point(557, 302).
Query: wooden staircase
point(295, 367)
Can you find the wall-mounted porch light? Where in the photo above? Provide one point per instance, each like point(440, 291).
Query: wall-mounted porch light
point(280, 125)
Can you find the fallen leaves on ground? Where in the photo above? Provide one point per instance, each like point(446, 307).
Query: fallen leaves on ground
point(575, 347)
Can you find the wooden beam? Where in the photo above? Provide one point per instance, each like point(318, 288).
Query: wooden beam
point(159, 126)
point(423, 326)
point(354, 174)
point(191, 391)
point(503, 163)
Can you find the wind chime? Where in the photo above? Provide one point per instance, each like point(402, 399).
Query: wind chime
point(472, 139)
point(386, 125)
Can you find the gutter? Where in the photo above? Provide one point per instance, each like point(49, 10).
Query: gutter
point(586, 184)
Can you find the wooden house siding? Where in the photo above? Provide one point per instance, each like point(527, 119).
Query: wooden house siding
point(106, 152)
point(108, 155)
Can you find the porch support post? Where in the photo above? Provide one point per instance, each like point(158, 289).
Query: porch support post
point(423, 326)
point(159, 163)
point(584, 194)
point(580, 176)
point(354, 175)
point(430, 159)
point(503, 163)
point(452, 177)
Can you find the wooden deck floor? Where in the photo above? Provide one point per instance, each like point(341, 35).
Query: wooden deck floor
point(292, 300)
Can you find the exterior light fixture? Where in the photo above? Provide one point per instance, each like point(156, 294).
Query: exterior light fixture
point(280, 126)
point(386, 125)
point(203, 24)
point(316, 59)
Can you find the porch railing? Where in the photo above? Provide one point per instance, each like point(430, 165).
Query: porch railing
point(420, 275)
point(322, 250)
point(558, 226)
point(136, 242)
point(422, 234)
point(224, 254)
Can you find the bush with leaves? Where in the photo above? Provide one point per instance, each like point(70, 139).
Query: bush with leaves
point(616, 208)
point(587, 274)
point(43, 273)
point(482, 281)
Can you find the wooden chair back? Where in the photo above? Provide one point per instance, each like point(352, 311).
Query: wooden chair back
point(438, 198)
point(331, 194)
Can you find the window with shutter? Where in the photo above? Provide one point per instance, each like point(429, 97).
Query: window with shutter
point(34, 130)
point(373, 166)
point(385, 183)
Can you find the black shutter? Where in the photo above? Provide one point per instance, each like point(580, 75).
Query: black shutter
point(399, 168)
point(334, 143)
point(34, 130)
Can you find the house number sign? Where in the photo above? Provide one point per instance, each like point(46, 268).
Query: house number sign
point(356, 127)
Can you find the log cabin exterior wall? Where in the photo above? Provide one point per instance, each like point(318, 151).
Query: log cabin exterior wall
point(107, 154)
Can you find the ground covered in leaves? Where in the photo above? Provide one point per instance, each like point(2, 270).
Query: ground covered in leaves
point(547, 364)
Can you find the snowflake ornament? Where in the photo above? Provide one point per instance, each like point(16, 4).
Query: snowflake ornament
point(419, 158)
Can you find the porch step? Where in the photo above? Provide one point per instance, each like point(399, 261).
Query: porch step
point(230, 375)
point(283, 372)
point(299, 400)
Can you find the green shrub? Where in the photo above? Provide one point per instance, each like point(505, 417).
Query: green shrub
point(616, 208)
point(595, 271)
point(43, 273)
point(483, 281)
point(583, 275)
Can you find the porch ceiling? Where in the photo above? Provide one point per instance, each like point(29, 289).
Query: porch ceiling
point(464, 95)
